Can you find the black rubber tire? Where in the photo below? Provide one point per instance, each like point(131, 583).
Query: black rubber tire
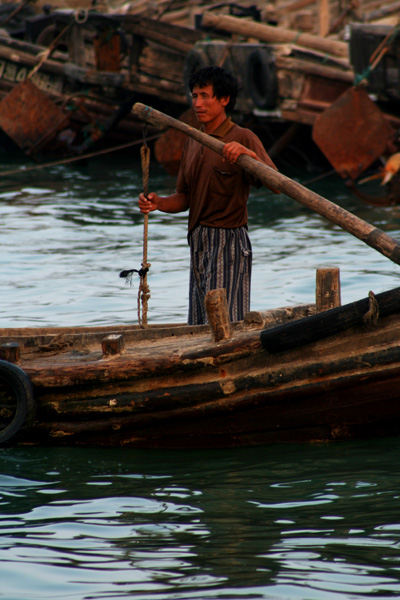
point(195, 60)
point(262, 83)
point(47, 35)
point(17, 383)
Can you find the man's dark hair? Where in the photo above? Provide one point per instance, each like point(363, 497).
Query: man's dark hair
point(222, 81)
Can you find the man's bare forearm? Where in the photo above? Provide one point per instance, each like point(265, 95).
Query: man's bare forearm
point(174, 203)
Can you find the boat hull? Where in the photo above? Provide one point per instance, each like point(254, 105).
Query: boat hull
point(174, 388)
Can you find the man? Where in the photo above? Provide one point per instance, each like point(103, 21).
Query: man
point(215, 190)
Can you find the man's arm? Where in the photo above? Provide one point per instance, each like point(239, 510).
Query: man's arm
point(174, 203)
point(232, 151)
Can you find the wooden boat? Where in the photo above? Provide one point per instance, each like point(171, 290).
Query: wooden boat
point(71, 84)
point(332, 375)
point(69, 77)
point(281, 376)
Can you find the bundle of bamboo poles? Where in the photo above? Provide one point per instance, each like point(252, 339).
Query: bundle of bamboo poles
point(322, 17)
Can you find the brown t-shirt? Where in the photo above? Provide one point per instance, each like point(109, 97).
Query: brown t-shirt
point(217, 190)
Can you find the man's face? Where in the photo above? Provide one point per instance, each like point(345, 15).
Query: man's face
point(209, 109)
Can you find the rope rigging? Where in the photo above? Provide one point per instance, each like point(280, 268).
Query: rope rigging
point(377, 55)
point(144, 289)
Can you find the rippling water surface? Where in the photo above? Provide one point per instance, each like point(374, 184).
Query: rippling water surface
point(284, 522)
point(279, 522)
point(67, 231)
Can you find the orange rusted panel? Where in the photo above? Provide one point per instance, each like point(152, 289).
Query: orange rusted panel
point(352, 133)
point(321, 89)
point(107, 51)
point(27, 115)
point(168, 148)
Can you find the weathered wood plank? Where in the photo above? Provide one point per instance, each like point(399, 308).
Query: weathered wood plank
point(313, 68)
point(268, 33)
point(79, 74)
point(218, 315)
point(327, 292)
point(147, 84)
point(317, 327)
point(34, 49)
point(164, 40)
point(281, 414)
point(169, 30)
point(383, 11)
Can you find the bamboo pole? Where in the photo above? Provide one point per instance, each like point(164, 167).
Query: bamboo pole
point(313, 68)
point(382, 11)
point(370, 235)
point(271, 34)
point(294, 7)
point(323, 17)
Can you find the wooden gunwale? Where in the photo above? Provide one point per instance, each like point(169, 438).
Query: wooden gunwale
point(182, 390)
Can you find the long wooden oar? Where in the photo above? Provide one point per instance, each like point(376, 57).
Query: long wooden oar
point(370, 235)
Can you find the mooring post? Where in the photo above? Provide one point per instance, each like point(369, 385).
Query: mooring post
point(112, 345)
point(327, 292)
point(218, 315)
point(10, 351)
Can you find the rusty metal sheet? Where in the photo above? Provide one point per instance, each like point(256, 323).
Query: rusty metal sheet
point(168, 147)
point(28, 115)
point(107, 52)
point(352, 133)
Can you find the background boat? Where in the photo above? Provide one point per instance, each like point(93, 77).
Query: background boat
point(311, 74)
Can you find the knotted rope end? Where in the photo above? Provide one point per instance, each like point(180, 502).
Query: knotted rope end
point(371, 317)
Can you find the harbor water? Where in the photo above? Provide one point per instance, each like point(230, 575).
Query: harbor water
point(279, 522)
point(66, 232)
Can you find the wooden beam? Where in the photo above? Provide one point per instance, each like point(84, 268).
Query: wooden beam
point(274, 35)
point(317, 327)
point(164, 40)
point(327, 291)
point(323, 17)
point(218, 315)
point(313, 68)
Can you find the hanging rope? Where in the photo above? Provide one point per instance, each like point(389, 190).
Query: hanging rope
point(377, 55)
point(49, 51)
point(14, 13)
point(144, 290)
point(80, 17)
point(371, 317)
point(65, 161)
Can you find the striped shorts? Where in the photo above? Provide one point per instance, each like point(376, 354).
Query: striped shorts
point(219, 258)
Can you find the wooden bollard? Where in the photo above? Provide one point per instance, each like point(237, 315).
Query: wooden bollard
point(218, 315)
point(327, 292)
point(112, 344)
point(10, 352)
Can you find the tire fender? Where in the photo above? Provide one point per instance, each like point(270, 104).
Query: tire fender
point(16, 385)
point(262, 83)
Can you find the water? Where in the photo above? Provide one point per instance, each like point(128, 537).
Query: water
point(301, 522)
point(67, 231)
point(277, 523)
